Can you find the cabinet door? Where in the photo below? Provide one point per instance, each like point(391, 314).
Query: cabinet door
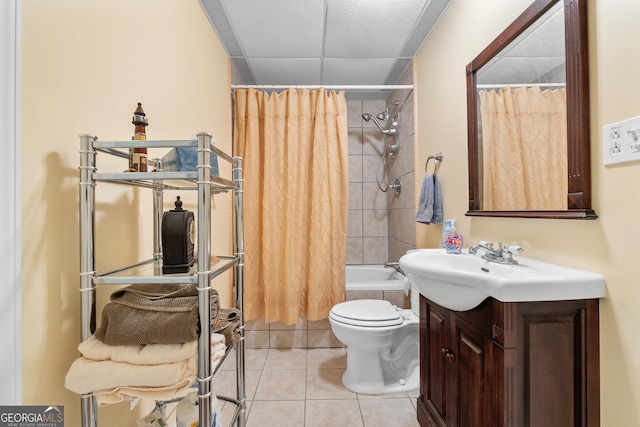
point(434, 396)
point(558, 363)
point(471, 352)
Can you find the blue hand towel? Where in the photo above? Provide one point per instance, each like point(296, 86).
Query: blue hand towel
point(430, 202)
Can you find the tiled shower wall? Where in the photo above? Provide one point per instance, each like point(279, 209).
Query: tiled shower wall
point(402, 209)
point(367, 235)
point(381, 225)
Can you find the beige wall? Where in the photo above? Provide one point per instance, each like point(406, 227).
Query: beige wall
point(86, 65)
point(606, 245)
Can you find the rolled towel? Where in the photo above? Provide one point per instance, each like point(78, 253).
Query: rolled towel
point(228, 324)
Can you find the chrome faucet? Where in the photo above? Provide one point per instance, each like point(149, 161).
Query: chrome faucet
point(395, 266)
point(501, 255)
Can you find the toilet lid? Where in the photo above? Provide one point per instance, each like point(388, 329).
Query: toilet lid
point(367, 312)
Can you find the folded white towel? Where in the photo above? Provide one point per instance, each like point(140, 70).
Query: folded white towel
point(121, 394)
point(86, 375)
point(150, 354)
point(131, 377)
point(178, 390)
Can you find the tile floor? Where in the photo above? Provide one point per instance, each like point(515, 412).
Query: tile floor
point(302, 387)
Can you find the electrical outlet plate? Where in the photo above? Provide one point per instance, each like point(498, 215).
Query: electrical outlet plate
point(621, 142)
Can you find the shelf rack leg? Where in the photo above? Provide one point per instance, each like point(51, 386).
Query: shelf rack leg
point(158, 211)
point(239, 285)
point(204, 284)
point(87, 259)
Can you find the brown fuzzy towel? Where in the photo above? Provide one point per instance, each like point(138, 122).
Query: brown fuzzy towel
point(153, 314)
point(228, 324)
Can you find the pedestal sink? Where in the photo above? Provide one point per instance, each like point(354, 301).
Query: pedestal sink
point(461, 282)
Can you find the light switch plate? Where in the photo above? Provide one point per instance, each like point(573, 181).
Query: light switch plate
point(621, 142)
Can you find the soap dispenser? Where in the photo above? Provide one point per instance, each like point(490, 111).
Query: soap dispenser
point(445, 232)
point(453, 240)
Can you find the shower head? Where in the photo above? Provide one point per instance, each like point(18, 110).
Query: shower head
point(368, 117)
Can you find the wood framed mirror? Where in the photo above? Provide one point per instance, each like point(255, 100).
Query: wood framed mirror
point(523, 57)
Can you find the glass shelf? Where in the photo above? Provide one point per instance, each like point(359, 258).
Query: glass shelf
point(149, 272)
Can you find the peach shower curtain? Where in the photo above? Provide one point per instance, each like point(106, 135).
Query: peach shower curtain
point(524, 139)
point(295, 150)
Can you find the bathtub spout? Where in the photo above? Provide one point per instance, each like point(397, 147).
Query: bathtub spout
point(395, 266)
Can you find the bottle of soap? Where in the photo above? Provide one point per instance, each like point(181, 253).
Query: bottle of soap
point(445, 233)
point(453, 241)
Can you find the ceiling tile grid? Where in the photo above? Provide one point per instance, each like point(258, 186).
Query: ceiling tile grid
point(322, 42)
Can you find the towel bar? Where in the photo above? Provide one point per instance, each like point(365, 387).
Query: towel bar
point(436, 159)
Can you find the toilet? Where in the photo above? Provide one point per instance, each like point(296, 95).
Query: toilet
point(382, 343)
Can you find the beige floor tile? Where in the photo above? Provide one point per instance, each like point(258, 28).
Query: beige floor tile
point(276, 326)
point(322, 338)
point(319, 324)
point(386, 412)
point(256, 339)
point(228, 412)
point(327, 358)
point(282, 384)
point(225, 383)
point(276, 414)
point(256, 325)
point(383, 396)
point(343, 413)
point(288, 339)
point(253, 359)
point(292, 358)
point(327, 384)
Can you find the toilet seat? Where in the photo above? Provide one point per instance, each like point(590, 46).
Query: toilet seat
point(368, 313)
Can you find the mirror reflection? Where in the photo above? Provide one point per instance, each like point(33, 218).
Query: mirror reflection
point(528, 117)
point(522, 128)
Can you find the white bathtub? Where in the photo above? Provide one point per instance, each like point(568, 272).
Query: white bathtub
point(373, 278)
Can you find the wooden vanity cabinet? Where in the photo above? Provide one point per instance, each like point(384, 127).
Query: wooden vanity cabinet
point(509, 364)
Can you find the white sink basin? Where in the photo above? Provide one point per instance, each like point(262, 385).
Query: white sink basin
point(461, 282)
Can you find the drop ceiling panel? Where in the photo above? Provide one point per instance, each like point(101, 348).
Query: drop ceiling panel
point(268, 71)
point(376, 29)
point(535, 56)
point(523, 70)
point(316, 42)
point(547, 39)
point(356, 71)
point(277, 28)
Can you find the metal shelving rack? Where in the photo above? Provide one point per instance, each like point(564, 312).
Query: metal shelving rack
point(150, 271)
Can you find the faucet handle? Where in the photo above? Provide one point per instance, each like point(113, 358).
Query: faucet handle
point(513, 249)
point(486, 244)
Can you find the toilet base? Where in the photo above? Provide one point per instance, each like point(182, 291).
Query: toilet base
point(404, 385)
point(375, 373)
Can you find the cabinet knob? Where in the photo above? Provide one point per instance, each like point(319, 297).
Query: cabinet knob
point(447, 354)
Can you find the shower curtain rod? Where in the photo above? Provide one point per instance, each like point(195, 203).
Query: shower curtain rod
point(329, 87)
point(496, 86)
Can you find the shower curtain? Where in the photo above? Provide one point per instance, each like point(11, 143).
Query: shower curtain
point(524, 140)
point(295, 150)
